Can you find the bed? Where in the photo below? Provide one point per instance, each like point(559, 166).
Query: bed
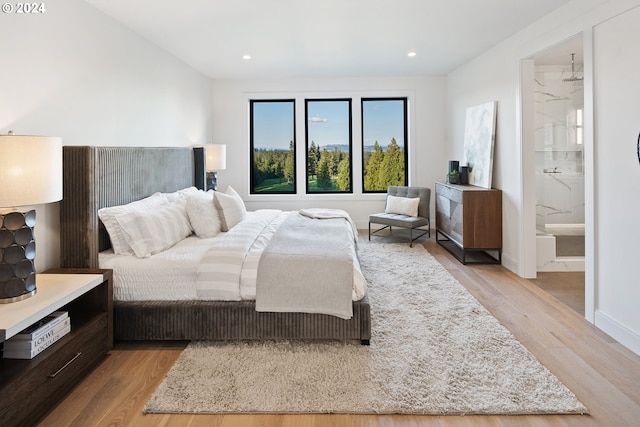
point(102, 177)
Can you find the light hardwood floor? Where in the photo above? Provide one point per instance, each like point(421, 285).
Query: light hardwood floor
point(603, 374)
point(567, 286)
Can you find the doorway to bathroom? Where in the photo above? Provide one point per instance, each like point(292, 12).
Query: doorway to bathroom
point(559, 157)
point(560, 171)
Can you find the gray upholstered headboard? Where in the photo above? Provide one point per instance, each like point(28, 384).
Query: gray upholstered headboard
point(97, 177)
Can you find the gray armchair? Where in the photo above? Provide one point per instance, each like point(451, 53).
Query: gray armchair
point(420, 223)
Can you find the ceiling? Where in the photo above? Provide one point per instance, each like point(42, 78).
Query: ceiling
point(325, 38)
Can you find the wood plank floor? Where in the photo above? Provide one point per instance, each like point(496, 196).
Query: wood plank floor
point(603, 374)
point(567, 286)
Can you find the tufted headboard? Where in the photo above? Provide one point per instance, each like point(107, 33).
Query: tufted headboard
point(97, 177)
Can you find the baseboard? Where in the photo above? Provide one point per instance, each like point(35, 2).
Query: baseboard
point(619, 332)
point(509, 263)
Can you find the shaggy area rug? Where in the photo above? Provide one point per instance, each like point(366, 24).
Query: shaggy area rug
point(434, 350)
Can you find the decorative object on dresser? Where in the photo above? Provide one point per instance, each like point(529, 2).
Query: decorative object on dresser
point(479, 141)
point(463, 175)
point(469, 222)
point(452, 173)
point(30, 174)
point(30, 388)
point(216, 160)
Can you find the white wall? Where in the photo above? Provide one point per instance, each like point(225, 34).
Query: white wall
point(74, 73)
point(427, 141)
point(495, 75)
point(617, 112)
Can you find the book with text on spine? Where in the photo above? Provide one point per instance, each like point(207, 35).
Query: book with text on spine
point(12, 344)
point(41, 327)
point(25, 353)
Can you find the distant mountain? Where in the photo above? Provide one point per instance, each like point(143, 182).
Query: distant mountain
point(332, 147)
point(369, 148)
point(345, 148)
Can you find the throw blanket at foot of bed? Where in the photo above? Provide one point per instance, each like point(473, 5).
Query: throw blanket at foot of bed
point(308, 267)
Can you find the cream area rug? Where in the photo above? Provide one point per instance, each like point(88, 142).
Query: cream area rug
point(434, 350)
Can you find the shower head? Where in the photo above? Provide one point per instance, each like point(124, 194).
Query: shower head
point(573, 77)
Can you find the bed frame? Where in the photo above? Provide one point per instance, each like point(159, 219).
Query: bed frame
point(97, 177)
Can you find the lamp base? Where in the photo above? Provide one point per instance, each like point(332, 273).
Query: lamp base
point(18, 298)
point(17, 254)
point(212, 181)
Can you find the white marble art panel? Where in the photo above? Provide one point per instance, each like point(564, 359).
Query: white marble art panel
point(479, 140)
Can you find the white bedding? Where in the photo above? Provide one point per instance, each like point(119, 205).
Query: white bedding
point(172, 274)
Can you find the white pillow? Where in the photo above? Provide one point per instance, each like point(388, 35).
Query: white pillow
point(108, 218)
point(402, 205)
point(181, 194)
point(203, 214)
point(230, 207)
point(148, 233)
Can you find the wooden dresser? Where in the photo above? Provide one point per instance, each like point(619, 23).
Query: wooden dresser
point(469, 222)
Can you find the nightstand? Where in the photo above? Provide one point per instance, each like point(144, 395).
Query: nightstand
point(30, 388)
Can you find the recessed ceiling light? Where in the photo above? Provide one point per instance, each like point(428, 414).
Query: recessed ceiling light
point(246, 56)
point(411, 54)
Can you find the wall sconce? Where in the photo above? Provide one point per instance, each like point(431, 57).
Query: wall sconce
point(30, 174)
point(216, 160)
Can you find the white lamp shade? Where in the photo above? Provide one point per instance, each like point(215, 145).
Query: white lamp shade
point(216, 157)
point(30, 170)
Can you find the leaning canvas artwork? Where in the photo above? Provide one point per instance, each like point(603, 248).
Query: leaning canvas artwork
point(479, 141)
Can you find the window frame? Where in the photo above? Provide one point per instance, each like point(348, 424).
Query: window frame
point(252, 189)
point(349, 102)
point(405, 128)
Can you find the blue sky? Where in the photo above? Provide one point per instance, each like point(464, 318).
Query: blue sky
point(383, 120)
point(328, 123)
point(273, 124)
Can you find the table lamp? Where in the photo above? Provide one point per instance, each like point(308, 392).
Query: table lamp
point(216, 160)
point(30, 174)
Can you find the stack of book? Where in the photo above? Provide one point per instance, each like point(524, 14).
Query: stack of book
point(37, 337)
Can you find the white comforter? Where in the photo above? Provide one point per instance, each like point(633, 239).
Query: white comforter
point(173, 274)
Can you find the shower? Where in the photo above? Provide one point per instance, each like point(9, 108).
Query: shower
point(573, 77)
point(559, 164)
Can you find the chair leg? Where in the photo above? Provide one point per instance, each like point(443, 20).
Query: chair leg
point(411, 237)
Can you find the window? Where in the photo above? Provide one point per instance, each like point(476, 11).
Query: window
point(273, 145)
point(328, 145)
point(384, 143)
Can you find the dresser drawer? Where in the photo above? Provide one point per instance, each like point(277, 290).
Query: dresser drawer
point(450, 193)
point(52, 373)
point(449, 218)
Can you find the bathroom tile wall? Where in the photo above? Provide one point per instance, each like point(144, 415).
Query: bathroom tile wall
point(559, 154)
